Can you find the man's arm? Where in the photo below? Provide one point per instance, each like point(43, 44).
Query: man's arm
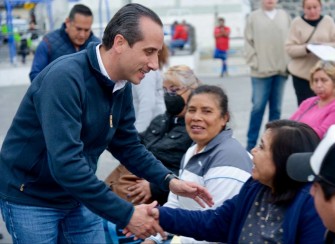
point(192, 190)
point(222, 31)
point(143, 222)
point(41, 60)
point(249, 48)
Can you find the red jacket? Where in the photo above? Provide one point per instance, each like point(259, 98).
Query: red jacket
point(180, 32)
point(221, 42)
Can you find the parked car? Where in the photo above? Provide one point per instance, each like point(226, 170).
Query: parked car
point(19, 26)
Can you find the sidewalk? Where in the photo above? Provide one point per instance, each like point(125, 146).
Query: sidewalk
point(14, 75)
point(17, 74)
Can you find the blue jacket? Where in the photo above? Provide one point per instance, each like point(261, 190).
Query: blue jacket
point(54, 45)
point(50, 153)
point(301, 222)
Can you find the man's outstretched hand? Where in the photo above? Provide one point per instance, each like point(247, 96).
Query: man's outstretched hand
point(191, 190)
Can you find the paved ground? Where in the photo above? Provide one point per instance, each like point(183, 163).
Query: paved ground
point(14, 82)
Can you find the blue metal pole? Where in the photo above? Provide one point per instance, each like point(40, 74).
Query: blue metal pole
point(107, 10)
point(49, 11)
point(11, 41)
point(100, 18)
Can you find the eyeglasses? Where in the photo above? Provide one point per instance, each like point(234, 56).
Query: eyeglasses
point(175, 90)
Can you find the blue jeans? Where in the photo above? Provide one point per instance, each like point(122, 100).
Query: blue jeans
point(264, 90)
point(31, 224)
point(221, 54)
point(177, 43)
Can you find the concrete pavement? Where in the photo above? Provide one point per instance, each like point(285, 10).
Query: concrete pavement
point(14, 82)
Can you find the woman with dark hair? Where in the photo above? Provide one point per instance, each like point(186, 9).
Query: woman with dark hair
point(270, 207)
point(166, 137)
point(216, 160)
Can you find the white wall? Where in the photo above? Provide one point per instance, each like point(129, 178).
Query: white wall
point(60, 10)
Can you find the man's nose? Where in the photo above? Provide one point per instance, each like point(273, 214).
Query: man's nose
point(153, 63)
point(82, 33)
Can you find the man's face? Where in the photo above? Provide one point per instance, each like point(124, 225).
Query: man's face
point(269, 5)
point(142, 57)
point(79, 29)
point(325, 209)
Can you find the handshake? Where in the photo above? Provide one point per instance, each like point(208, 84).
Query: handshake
point(144, 222)
point(145, 219)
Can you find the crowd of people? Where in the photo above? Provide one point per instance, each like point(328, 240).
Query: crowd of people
point(181, 172)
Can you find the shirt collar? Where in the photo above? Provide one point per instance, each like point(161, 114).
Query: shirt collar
point(118, 84)
point(271, 14)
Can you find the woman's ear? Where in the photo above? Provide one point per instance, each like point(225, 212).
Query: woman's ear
point(225, 120)
point(227, 117)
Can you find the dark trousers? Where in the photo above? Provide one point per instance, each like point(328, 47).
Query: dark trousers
point(302, 89)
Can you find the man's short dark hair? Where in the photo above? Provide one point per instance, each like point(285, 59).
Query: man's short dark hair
point(126, 23)
point(80, 9)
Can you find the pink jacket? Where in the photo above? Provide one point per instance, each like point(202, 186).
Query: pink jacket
point(320, 119)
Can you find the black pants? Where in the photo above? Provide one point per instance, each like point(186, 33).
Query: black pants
point(302, 89)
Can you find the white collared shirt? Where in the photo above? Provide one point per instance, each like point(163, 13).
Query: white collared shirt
point(271, 14)
point(118, 84)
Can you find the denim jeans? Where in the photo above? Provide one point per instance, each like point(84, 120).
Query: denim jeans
point(221, 54)
point(264, 90)
point(31, 224)
point(177, 43)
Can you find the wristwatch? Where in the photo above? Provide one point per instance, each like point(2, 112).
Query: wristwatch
point(168, 178)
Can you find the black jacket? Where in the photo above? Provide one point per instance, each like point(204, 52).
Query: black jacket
point(167, 139)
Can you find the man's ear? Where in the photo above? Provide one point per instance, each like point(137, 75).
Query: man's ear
point(119, 43)
point(67, 22)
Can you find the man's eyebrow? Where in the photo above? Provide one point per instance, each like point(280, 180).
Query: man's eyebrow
point(153, 48)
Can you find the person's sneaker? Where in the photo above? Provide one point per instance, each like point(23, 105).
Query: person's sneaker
point(1, 236)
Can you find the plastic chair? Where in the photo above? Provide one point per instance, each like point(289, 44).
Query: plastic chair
point(115, 236)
